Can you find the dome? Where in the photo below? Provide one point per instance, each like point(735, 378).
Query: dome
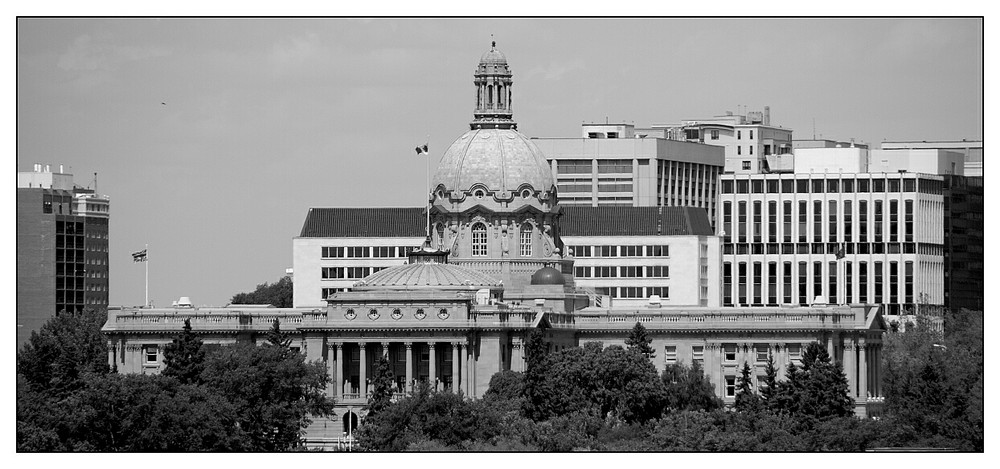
point(503, 161)
point(493, 56)
point(547, 276)
point(427, 275)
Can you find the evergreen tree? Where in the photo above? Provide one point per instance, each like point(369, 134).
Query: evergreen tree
point(534, 377)
point(770, 380)
point(277, 337)
point(382, 387)
point(638, 340)
point(746, 399)
point(816, 391)
point(184, 357)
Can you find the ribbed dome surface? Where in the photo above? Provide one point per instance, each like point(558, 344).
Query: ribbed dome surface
point(500, 159)
point(426, 275)
point(493, 56)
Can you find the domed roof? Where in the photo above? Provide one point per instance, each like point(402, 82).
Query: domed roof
point(502, 160)
point(427, 275)
point(547, 276)
point(493, 56)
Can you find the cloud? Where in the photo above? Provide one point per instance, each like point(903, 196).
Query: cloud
point(85, 55)
point(296, 51)
point(554, 71)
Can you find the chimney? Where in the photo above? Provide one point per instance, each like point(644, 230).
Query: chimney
point(767, 115)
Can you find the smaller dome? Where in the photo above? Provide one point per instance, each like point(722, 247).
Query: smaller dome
point(547, 276)
point(493, 56)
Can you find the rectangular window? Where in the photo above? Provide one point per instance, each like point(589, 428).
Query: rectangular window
point(670, 354)
point(878, 185)
point(878, 221)
point(751, 135)
point(848, 186)
point(832, 186)
point(742, 283)
point(802, 221)
point(739, 134)
point(757, 186)
point(757, 283)
point(817, 186)
point(663, 292)
point(761, 352)
point(787, 221)
point(802, 186)
point(787, 281)
point(150, 352)
point(730, 386)
point(803, 272)
point(727, 186)
point(863, 185)
point(832, 216)
point(330, 252)
point(848, 218)
point(908, 221)
point(746, 163)
point(742, 187)
point(832, 293)
point(715, 135)
point(697, 354)
point(479, 238)
point(863, 282)
point(772, 222)
point(657, 250)
point(894, 185)
point(908, 283)
point(893, 282)
point(818, 221)
point(794, 351)
point(772, 186)
point(729, 353)
point(581, 251)
point(742, 221)
point(727, 220)
point(328, 292)
point(727, 283)
point(757, 222)
point(656, 271)
point(863, 221)
point(817, 279)
point(787, 186)
point(878, 282)
point(772, 283)
point(739, 151)
point(848, 282)
point(332, 272)
point(893, 221)
point(582, 272)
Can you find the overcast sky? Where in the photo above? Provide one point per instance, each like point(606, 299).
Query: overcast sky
point(266, 118)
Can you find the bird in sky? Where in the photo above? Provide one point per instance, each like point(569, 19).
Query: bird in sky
point(164, 104)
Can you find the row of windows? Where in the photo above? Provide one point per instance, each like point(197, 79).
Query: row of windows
point(633, 292)
point(753, 222)
point(833, 248)
point(359, 252)
point(649, 271)
point(830, 186)
point(621, 251)
point(748, 279)
point(329, 273)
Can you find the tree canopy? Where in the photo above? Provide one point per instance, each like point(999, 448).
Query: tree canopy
point(277, 294)
point(638, 339)
point(184, 357)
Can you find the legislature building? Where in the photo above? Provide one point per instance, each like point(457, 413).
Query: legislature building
point(449, 293)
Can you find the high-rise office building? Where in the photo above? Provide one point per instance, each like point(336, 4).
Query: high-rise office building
point(62, 248)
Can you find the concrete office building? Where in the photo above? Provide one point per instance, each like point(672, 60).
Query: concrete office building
point(62, 248)
point(971, 151)
point(613, 165)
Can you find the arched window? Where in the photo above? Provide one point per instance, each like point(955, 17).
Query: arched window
point(479, 239)
point(526, 240)
point(489, 96)
point(440, 234)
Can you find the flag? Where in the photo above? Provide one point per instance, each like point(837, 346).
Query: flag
point(421, 150)
point(840, 252)
point(139, 256)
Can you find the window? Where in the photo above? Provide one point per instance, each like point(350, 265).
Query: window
point(794, 351)
point(739, 151)
point(750, 147)
point(715, 135)
point(803, 271)
point(908, 221)
point(762, 351)
point(848, 216)
point(772, 283)
point(757, 221)
point(878, 221)
point(742, 270)
point(756, 283)
point(658, 251)
point(787, 281)
point(817, 221)
point(751, 135)
point(332, 272)
point(662, 292)
point(742, 187)
point(727, 284)
point(328, 292)
point(908, 283)
point(358, 251)
point(802, 221)
point(833, 283)
point(772, 222)
point(581, 251)
point(657, 271)
point(697, 354)
point(848, 282)
point(479, 239)
point(150, 353)
point(727, 220)
point(742, 222)
point(746, 164)
point(832, 216)
point(893, 283)
point(730, 386)
point(878, 282)
point(893, 221)
point(729, 352)
point(817, 279)
point(739, 134)
point(526, 232)
point(670, 354)
point(727, 186)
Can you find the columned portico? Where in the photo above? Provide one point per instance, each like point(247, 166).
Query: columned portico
point(432, 365)
point(363, 370)
point(863, 369)
point(409, 365)
point(464, 368)
point(455, 374)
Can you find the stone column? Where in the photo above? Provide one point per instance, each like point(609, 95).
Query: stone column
point(516, 355)
point(337, 353)
point(464, 368)
point(111, 354)
point(717, 368)
point(432, 365)
point(850, 360)
point(454, 368)
point(385, 350)
point(409, 366)
point(878, 369)
point(863, 368)
point(831, 336)
point(363, 370)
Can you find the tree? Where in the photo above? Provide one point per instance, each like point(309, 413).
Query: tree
point(687, 388)
point(273, 392)
point(382, 387)
point(277, 294)
point(746, 399)
point(506, 386)
point(770, 380)
point(277, 337)
point(816, 391)
point(534, 376)
point(66, 347)
point(638, 340)
point(184, 357)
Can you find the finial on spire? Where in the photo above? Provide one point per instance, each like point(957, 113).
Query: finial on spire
point(494, 42)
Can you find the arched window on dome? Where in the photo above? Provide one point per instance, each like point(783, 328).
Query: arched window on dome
point(489, 96)
point(526, 232)
point(440, 234)
point(479, 239)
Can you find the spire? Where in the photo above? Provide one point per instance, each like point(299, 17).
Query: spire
point(493, 92)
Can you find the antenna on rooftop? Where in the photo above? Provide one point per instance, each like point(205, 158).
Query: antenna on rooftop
point(814, 128)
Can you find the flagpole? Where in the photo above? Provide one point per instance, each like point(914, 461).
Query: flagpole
point(428, 193)
point(146, 250)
